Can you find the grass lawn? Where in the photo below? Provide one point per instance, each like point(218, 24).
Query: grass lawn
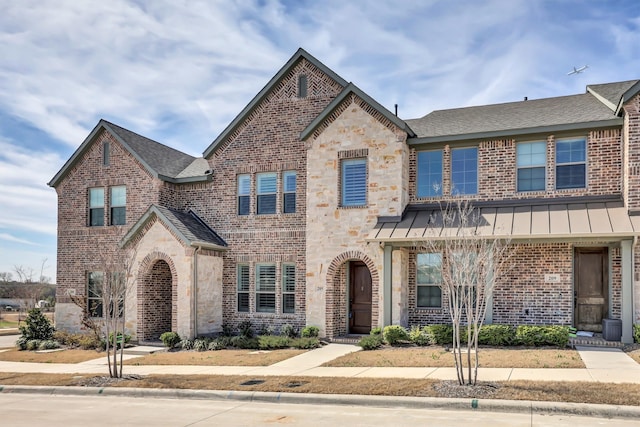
point(437, 357)
point(62, 356)
point(216, 358)
point(8, 324)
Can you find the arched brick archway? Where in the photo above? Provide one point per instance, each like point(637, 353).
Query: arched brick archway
point(157, 297)
point(337, 288)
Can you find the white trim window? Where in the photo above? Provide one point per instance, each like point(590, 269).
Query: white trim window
point(243, 288)
point(118, 198)
point(289, 192)
point(353, 182)
point(266, 288)
point(531, 160)
point(571, 163)
point(288, 288)
point(244, 194)
point(96, 207)
point(266, 193)
point(429, 280)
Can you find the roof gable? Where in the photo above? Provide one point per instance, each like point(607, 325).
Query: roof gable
point(610, 93)
point(159, 160)
point(187, 226)
point(261, 96)
point(352, 89)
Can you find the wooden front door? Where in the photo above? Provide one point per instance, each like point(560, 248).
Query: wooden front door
point(591, 288)
point(359, 298)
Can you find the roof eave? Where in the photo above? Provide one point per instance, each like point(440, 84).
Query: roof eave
point(615, 122)
point(351, 88)
point(185, 180)
point(516, 238)
point(208, 246)
point(299, 55)
point(630, 93)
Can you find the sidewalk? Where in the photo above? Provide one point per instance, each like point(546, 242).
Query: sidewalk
point(602, 365)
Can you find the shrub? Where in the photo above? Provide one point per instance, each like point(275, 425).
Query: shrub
point(227, 330)
point(186, 344)
point(636, 333)
point(442, 334)
point(216, 345)
point(266, 330)
point(48, 345)
point(305, 343)
point(542, 335)
point(419, 336)
point(33, 344)
point(244, 342)
point(272, 342)
point(37, 326)
point(370, 342)
point(376, 331)
point(246, 329)
point(497, 335)
point(89, 342)
point(310, 332)
point(170, 339)
point(224, 342)
point(127, 338)
point(21, 343)
point(395, 334)
point(289, 331)
point(200, 344)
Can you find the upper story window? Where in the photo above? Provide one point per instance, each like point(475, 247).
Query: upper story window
point(118, 205)
point(288, 288)
point(266, 288)
point(531, 158)
point(289, 192)
point(429, 280)
point(464, 170)
point(266, 189)
point(106, 153)
point(244, 190)
point(96, 207)
point(353, 182)
point(243, 287)
point(302, 86)
point(429, 173)
point(571, 163)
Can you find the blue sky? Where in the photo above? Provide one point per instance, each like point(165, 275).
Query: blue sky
point(179, 72)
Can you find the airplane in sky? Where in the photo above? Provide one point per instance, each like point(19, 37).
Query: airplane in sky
point(577, 70)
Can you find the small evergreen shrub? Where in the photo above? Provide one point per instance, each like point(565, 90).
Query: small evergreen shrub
point(636, 333)
point(48, 345)
point(21, 343)
point(245, 343)
point(89, 342)
point(227, 330)
point(246, 329)
point(442, 334)
point(289, 331)
point(170, 339)
point(33, 344)
point(305, 343)
point(216, 345)
point(419, 336)
point(497, 335)
point(266, 330)
point(200, 344)
point(272, 342)
point(119, 340)
point(224, 342)
point(186, 344)
point(376, 331)
point(536, 336)
point(370, 342)
point(310, 332)
point(395, 334)
point(37, 326)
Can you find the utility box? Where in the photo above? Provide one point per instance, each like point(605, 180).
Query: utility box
point(612, 329)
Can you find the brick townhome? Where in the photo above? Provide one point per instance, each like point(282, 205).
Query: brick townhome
point(307, 208)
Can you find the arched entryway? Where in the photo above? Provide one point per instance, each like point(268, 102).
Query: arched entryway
point(352, 295)
point(157, 297)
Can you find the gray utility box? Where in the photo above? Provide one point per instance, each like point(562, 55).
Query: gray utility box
point(612, 329)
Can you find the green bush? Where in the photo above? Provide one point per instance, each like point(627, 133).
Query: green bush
point(537, 336)
point(170, 339)
point(419, 336)
point(305, 343)
point(310, 332)
point(48, 345)
point(442, 334)
point(497, 335)
point(370, 342)
point(272, 342)
point(21, 343)
point(245, 343)
point(186, 344)
point(200, 344)
point(216, 345)
point(89, 342)
point(246, 329)
point(37, 326)
point(636, 333)
point(223, 342)
point(127, 338)
point(227, 330)
point(33, 344)
point(266, 330)
point(289, 331)
point(395, 334)
point(376, 331)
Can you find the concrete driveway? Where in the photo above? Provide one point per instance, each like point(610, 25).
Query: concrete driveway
point(8, 341)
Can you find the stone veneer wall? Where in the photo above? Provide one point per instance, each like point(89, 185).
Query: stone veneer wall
point(335, 234)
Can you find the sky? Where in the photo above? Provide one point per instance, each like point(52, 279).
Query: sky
point(178, 71)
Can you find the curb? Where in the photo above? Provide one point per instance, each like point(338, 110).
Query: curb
point(488, 405)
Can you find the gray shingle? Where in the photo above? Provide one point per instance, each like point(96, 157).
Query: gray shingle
point(612, 92)
point(191, 226)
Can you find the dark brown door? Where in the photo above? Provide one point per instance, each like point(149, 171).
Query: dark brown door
point(359, 298)
point(591, 293)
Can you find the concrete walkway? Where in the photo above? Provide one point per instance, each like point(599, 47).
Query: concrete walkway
point(602, 365)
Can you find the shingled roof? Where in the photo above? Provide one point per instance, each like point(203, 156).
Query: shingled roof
point(187, 226)
point(530, 116)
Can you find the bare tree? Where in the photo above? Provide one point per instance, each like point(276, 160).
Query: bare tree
point(471, 264)
point(32, 286)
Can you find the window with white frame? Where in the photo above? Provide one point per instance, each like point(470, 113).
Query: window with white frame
point(266, 288)
point(118, 205)
point(243, 287)
point(244, 190)
point(353, 182)
point(96, 207)
point(429, 173)
point(428, 280)
point(464, 170)
point(571, 163)
point(531, 160)
point(289, 192)
point(288, 288)
point(266, 192)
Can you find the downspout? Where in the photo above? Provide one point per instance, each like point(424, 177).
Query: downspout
point(194, 290)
